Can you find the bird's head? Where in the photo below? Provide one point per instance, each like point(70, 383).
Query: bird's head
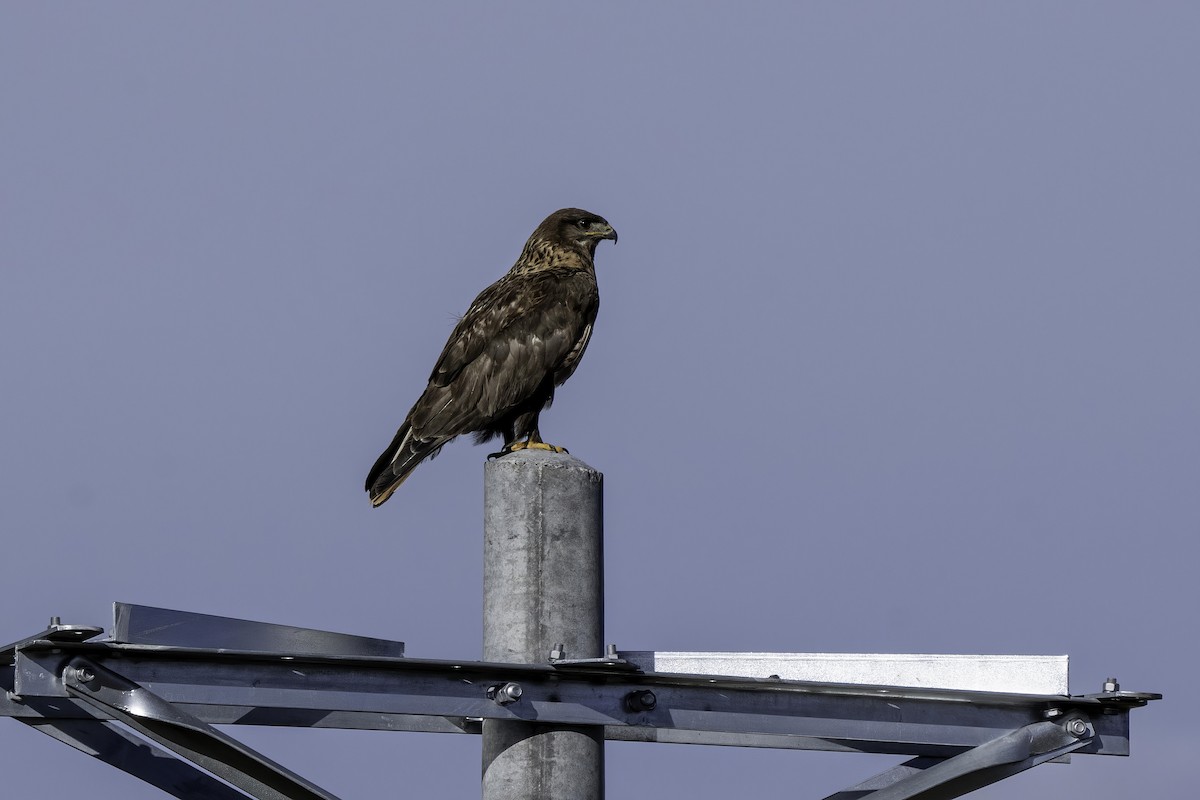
point(576, 228)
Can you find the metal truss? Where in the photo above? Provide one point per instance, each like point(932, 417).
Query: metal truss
point(146, 701)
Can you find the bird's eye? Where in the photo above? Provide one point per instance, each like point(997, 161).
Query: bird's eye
point(583, 223)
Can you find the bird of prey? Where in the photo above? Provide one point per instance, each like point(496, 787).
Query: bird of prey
point(523, 336)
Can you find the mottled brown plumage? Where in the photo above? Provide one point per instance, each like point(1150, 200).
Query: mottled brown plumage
point(523, 336)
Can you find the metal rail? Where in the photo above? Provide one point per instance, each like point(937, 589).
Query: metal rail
point(170, 694)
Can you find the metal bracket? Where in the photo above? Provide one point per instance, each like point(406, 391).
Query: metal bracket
point(611, 660)
point(56, 632)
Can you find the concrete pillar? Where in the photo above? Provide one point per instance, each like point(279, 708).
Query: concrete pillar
point(543, 585)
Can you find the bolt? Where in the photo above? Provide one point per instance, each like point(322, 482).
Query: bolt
point(641, 700)
point(1077, 728)
point(612, 651)
point(559, 652)
point(1051, 713)
point(55, 622)
point(1111, 685)
point(505, 693)
point(81, 674)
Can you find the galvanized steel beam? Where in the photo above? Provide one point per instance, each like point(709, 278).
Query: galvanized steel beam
point(172, 692)
point(220, 687)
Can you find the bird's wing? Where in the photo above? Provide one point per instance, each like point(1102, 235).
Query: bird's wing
point(519, 330)
point(491, 313)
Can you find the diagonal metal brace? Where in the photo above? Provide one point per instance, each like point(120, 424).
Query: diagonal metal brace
point(940, 779)
point(113, 744)
point(185, 735)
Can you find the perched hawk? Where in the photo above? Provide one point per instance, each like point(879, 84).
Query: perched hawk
point(521, 337)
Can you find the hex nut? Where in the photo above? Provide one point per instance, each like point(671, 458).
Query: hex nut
point(1077, 728)
point(81, 674)
point(641, 700)
point(505, 693)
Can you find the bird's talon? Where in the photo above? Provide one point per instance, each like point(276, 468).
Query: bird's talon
point(527, 445)
point(553, 448)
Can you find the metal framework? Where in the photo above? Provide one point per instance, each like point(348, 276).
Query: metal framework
point(146, 700)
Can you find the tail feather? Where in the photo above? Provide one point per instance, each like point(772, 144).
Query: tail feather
point(395, 464)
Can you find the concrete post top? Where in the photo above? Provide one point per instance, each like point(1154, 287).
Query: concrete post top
point(538, 459)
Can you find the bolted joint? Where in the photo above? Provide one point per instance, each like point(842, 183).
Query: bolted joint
point(1077, 727)
point(1111, 685)
point(80, 674)
point(504, 694)
point(641, 700)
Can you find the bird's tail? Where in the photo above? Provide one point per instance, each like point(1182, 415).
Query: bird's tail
point(400, 458)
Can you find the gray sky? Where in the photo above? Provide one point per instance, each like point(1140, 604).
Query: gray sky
point(897, 352)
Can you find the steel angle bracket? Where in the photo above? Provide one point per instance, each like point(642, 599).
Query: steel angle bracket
point(185, 735)
point(930, 778)
point(612, 660)
point(148, 625)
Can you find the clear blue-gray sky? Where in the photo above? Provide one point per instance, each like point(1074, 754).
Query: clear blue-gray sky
point(897, 352)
